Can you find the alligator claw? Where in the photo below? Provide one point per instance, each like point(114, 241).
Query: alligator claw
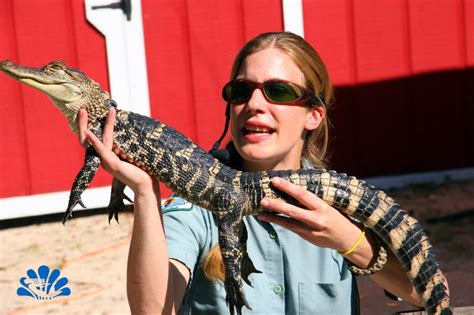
point(72, 204)
point(117, 196)
point(248, 268)
point(113, 214)
point(235, 295)
point(115, 206)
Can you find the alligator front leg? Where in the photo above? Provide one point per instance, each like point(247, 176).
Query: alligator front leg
point(117, 196)
point(83, 179)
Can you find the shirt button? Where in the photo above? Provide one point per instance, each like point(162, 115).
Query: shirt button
point(272, 235)
point(277, 289)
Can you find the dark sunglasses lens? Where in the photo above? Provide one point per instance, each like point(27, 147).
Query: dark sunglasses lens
point(237, 92)
point(282, 92)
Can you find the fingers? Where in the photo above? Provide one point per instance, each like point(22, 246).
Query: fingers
point(309, 200)
point(109, 128)
point(291, 224)
point(82, 124)
point(96, 143)
point(99, 147)
point(287, 209)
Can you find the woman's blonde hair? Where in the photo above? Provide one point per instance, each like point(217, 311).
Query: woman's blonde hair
point(316, 79)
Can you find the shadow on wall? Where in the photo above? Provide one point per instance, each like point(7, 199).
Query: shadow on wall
point(414, 124)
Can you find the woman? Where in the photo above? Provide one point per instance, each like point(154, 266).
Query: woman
point(303, 256)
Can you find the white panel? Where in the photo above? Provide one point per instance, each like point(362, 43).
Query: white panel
point(404, 180)
point(41, 204)
point(293, 16)
point(125, 53)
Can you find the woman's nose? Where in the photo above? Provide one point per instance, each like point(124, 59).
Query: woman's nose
point(257, 102)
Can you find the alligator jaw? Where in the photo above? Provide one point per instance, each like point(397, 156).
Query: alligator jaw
point(44, 80)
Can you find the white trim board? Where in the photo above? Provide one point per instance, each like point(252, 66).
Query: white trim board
point(435, 177)
point(293, 16)
point(126, 57)
point(42, 204)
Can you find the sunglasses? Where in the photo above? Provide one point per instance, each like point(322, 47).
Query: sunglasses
point(275, 91)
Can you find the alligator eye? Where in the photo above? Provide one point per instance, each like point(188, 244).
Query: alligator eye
point(56, 66)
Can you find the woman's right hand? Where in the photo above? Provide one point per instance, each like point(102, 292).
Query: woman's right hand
point(132, 176)
point(154, 283)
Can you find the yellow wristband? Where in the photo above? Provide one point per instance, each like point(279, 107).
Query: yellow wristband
point(353, 248)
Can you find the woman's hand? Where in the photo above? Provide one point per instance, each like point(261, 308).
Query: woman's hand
point(318, 223)
point(324, 226)
point(129, 174)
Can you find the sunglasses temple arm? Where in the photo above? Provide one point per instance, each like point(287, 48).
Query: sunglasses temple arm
point(319, 100)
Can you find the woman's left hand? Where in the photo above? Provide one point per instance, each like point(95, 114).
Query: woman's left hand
point(324, 226)
point(318, 223)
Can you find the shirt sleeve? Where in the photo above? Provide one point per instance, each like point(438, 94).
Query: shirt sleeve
point(186, 231)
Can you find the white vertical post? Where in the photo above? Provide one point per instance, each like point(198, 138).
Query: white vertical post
point(125, 53)
point(293, 16)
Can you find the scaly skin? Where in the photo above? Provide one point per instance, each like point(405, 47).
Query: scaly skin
point(200, 178)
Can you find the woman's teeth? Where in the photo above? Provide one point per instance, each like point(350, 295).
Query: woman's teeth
point(257, 130)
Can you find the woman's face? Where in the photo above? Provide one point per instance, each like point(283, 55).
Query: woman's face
point(270, 136)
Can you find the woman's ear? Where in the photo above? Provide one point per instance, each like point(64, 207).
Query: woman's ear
point(314, 118)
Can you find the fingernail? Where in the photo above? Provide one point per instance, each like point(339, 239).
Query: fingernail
point(264, 202)
point(276, 180)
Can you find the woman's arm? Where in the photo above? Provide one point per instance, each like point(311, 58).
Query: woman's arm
point(155, 284)
point(325, 226)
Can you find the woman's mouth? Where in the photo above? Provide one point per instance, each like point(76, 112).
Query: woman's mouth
point(257, 133)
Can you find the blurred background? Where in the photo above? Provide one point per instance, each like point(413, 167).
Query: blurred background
point(403, 72)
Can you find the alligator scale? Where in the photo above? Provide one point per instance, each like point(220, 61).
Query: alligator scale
point(229, 194)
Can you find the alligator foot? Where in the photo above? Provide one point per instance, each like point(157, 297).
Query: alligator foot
point(73, 201)
point(235, 295)
point(117, 196)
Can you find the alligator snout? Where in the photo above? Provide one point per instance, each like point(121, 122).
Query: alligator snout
point(5, 63)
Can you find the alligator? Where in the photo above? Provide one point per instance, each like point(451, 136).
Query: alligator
point(229, 194)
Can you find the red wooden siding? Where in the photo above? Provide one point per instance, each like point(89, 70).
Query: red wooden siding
point(403, 72)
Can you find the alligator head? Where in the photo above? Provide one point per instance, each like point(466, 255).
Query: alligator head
point(69, 89)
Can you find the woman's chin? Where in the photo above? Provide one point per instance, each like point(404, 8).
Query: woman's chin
point(255, 152)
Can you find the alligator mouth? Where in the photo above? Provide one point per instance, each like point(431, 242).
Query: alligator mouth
point(56, 88)
point(27, 75)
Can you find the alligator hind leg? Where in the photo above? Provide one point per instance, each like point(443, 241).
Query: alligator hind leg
point(237, 264)
point(117, 196)
point(83, 179)
point(232, 255)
